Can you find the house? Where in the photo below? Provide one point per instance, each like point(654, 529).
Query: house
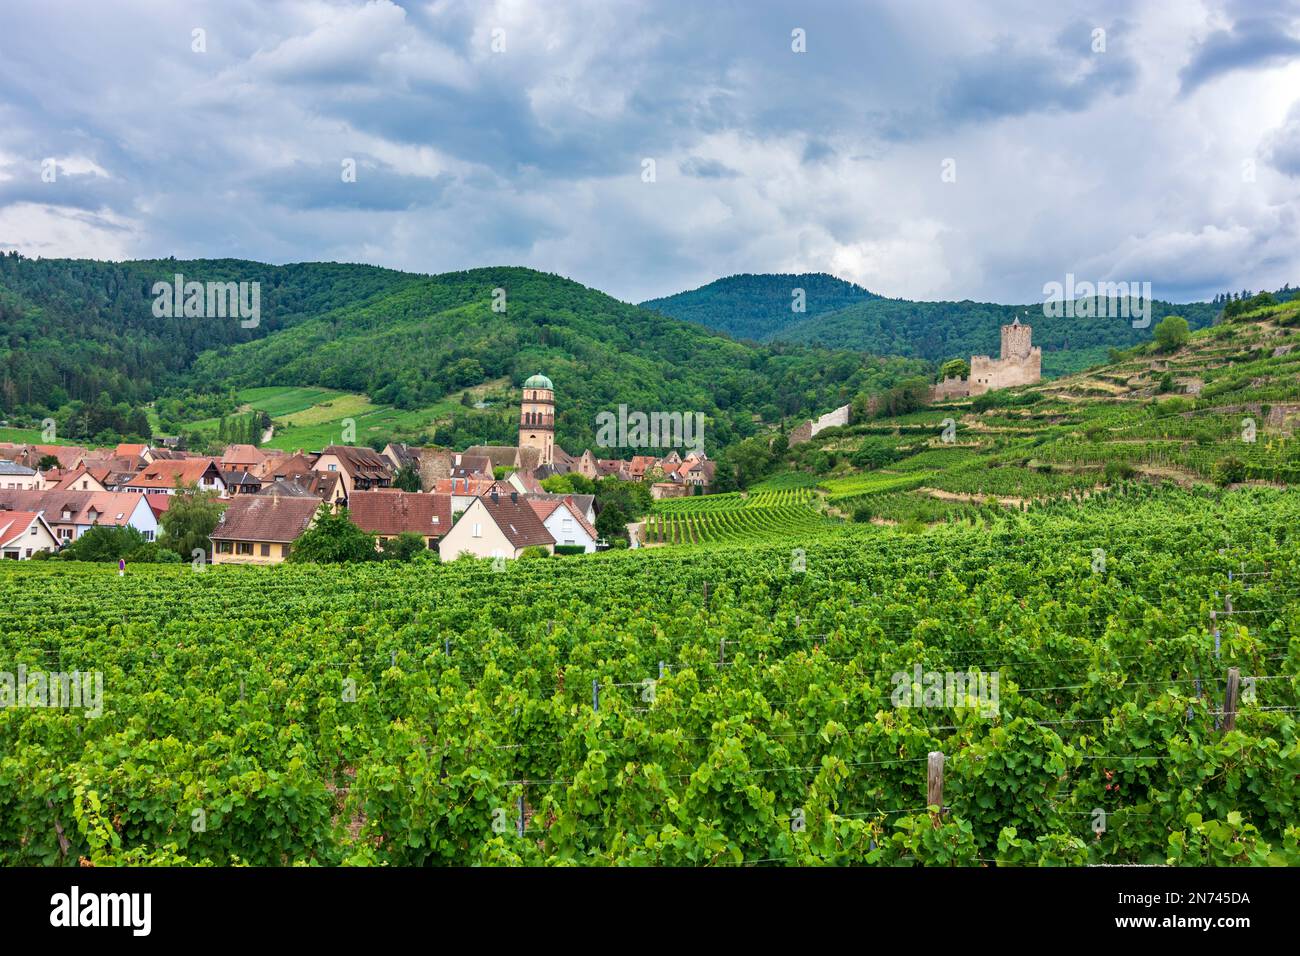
point(23, 533)
point(77, 479)
point(496, 525)
point(70, 514)
point(613, 468)
point(69, 456)
point(463, 491)
point(241, 483)
point(586, 465)
point(261, 529)
point(361, 468)
point(284, 466)
point(14, 475)
point(242, 458)
point(471, 466)
point(392, 513)
point(158, 504)
point(163, 476)
point(642, 465)
point(698, 472)
point(402, 456)
point(566, 523)
point(586, 504)
point(525, 483)
point(499, 456)
point(125, 450)
point(321, 485)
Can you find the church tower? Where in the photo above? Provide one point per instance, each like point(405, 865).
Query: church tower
point(537, 418)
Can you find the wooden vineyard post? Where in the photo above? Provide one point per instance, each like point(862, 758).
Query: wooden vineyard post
point(934, 783)
point(1230, 699)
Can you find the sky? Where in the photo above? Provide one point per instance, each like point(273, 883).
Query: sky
point(926, 149)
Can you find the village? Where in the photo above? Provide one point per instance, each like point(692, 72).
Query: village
point(487, 501)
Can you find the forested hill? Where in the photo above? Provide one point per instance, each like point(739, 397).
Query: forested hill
point(79, 329)
point(82, 332)
point(842, 315)
point(758, 307)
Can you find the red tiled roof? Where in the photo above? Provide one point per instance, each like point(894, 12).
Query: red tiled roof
point(361, 462)
point(165, 474)
point(517, 520)
point(396, 512)
point(14, 525)
point(265, 518)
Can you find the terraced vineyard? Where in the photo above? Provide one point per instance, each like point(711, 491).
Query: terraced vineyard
point(733, 518)
point(693, 707)
point(1223, 409)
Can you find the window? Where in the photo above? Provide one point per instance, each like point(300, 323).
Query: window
point(34, 530)
point(478, 530)
point(333, 467)
point(67, 515)
point(566, 524)
point(223, 547)
point(244, 547)
point(266, 550)
point(148, 535)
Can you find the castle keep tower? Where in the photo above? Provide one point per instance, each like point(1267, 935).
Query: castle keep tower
point(537, 418)
point(1016, 341)
point(1021, 362)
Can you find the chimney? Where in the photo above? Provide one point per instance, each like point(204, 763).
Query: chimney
point(514, 497)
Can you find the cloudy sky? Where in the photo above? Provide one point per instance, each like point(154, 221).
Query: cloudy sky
point(925, 148)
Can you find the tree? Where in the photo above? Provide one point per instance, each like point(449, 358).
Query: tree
point(1172, 332)
point(104, 543)
point(954, 368)
point(47, 462)
point(190, 519)
point(404, 547)
point(407, 478)
point(333, 539)
point(612, 522)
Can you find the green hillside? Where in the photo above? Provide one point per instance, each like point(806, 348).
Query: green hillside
point(842, 315)
point(757, 307)
point(81, 344)
point(1221, 409)
point(441, 334)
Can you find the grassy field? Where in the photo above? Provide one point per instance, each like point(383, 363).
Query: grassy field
point(312, 418)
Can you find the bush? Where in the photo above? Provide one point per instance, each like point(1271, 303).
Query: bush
point(405, 547)
point(1229, 471)
point(570, 549)
point(534, 551)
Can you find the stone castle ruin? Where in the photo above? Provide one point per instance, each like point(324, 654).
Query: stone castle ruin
point(1021, 363)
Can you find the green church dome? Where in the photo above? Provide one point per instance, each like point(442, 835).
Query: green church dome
point(539, 381)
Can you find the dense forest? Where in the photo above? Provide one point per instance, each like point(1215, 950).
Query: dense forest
point(757, 307)
point(842, 315)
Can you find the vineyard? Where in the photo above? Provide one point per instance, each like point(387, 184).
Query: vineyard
point(734, 518)
point(698, 707)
